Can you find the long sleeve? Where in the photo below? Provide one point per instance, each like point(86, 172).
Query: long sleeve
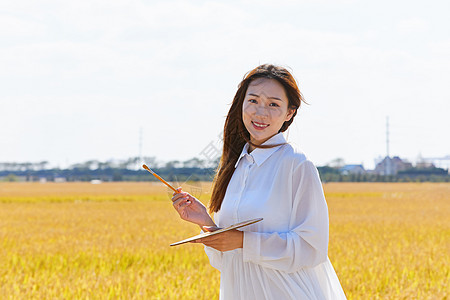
point(305, 244)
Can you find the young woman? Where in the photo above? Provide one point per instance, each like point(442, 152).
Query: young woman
point(261, 176)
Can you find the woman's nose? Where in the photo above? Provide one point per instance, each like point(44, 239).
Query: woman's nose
point(262, 111)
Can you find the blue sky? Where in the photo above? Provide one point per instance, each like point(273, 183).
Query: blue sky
point(79, 79)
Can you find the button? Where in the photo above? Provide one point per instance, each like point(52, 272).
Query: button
point(249, 158)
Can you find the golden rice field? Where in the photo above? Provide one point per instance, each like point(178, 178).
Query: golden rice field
point(111, 241)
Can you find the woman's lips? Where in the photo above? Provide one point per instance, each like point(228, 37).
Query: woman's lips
point(259, 126)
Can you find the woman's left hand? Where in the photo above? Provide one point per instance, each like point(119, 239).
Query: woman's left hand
point(226, 241)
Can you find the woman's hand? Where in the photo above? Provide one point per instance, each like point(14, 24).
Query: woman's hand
point(226, 241)
point(191, 209)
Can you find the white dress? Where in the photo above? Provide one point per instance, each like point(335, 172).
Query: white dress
point(285, 256)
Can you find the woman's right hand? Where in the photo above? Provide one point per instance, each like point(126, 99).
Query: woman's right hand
point(191, 209)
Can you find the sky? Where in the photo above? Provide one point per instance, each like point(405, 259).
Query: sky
point(105, 79)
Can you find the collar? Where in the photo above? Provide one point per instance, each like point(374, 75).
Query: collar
point(259, 155)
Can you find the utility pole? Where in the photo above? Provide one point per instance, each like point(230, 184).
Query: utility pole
point(387, 136)
point(387, 165)
point(140, 144)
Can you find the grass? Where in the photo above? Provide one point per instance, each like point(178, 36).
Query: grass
point(111, 241)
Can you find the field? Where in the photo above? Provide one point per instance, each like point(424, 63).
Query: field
point(111, 241)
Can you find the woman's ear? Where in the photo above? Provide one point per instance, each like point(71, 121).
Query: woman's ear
point(290, 114)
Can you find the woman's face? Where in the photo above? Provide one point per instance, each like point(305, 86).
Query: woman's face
point(265, 109)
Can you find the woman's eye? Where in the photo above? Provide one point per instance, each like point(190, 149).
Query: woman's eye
point(274, 105)
point(252, 101)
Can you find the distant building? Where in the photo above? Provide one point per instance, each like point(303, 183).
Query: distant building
point(391, 166)
point(59, 179)
point(352, 169)
point(438, 162)
point(424, 165)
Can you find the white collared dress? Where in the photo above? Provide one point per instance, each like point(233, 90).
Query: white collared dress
point(285, 256)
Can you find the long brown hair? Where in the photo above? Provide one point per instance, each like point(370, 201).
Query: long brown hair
point(235, 135)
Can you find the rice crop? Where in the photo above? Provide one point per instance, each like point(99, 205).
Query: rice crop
point(111, 241)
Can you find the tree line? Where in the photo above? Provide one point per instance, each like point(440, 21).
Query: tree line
point(193, 169)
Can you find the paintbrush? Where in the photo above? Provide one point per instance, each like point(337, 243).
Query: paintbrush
point(157, 176)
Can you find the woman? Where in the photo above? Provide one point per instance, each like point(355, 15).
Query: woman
point(260, 175)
